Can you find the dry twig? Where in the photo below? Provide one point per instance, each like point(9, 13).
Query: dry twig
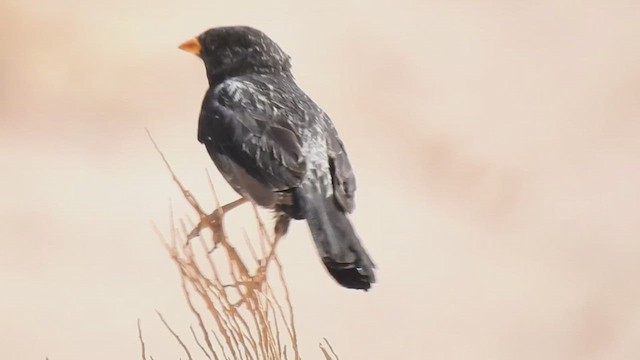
point(240, 308)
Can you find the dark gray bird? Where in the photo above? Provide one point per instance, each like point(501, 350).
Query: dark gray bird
point(276, 147)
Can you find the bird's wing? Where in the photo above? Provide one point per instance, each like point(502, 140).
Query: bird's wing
point(242, 121)
point(344, 181)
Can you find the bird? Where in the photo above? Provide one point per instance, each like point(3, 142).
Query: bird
point(276, 147)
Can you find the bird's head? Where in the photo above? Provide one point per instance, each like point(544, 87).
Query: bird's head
point(237, 50)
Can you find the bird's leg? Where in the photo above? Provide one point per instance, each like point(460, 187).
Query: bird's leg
point(283, 198)
point(281, 227)
point(214, 221)
point(288, 202)
point(280, 230)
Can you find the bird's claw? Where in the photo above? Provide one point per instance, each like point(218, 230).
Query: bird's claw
point(212, 221)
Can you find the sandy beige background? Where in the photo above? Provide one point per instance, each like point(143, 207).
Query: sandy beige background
point(496, 145)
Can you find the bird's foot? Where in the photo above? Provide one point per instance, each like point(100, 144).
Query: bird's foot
point(214, 221)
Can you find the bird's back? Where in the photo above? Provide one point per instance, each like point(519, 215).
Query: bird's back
point(279, 101)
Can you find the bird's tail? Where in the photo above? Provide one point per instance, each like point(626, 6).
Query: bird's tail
point(338, 245)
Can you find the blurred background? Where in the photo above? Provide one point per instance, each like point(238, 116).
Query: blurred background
point(495, 143)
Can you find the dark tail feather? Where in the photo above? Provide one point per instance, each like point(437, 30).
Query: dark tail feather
point(338, 245)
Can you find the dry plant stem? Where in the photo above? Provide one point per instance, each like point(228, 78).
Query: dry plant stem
point(230, 319)
point(282, 224)
point(203, 329)
point(186, 349)
point(195, 338)
point(237, 303)
point(224, 353)
point(142, 346)
point(281, 227)
point(291, 322)
point(324, 351)
point(269, 347)
point(216, 228)
point(222, 327)
point(185, 192)
point(330, 348)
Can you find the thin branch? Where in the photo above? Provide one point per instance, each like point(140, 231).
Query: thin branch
point(186, 349)
point(335, 356)
point(294, 335)
point(250, 319)
point(144, 353)
point(203, 329)
point(200, 345)
point(184, 191)
point(220, 344)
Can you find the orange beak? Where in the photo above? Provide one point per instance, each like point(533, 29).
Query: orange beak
point(192, 45)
